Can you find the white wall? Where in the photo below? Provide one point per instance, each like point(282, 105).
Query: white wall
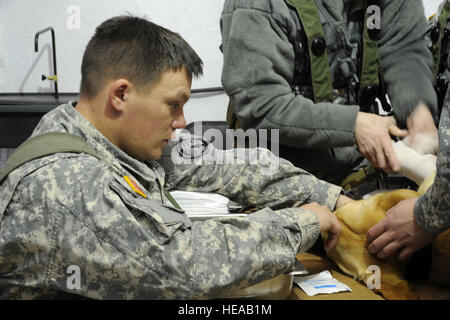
point(431, 6)
point(21, 68)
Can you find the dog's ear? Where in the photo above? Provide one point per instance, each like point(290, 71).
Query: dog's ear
point(427, 183)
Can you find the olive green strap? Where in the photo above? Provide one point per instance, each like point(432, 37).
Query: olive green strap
point(44, 145)
point(436, 48)
point(171, 199)
point(371, 66)
point(320, 70)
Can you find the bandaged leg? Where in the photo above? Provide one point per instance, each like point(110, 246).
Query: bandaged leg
point(423, 143)
point(414, 166)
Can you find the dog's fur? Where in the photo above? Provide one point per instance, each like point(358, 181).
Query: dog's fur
point(352, 256)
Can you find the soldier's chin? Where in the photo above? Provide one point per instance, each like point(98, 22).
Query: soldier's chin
point(153, 154)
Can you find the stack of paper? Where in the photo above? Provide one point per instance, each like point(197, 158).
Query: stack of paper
point(196, 203)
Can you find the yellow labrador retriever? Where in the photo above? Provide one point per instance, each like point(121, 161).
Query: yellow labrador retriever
point(352, 256)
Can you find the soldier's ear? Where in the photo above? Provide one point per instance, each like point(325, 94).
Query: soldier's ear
point(118, 94)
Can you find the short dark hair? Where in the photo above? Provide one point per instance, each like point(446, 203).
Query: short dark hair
point(137, 50)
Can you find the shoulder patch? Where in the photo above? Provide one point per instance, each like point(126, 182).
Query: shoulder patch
point(134, 186)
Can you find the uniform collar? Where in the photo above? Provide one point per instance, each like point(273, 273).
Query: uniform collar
point(68, 119)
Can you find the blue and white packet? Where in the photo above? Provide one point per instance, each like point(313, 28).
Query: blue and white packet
point(321, 283)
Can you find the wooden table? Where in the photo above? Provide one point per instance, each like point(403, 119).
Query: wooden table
point(316, 263)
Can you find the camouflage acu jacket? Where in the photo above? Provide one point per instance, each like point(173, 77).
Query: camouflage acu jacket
point(72, 212)
point(432, 210)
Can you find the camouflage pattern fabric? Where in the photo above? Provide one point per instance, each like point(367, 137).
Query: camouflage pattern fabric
point(432, 210)
point(70, 211)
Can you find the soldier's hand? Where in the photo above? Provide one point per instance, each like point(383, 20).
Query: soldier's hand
point(422, 132)
point(372, 134)
point(398, 233)
point(328, 224)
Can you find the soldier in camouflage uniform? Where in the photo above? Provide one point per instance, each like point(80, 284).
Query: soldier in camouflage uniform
point(106, 211)
point(413, 223)
point(312, 69)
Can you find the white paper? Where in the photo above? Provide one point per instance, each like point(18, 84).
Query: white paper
point(197, 203)
point(321, 283)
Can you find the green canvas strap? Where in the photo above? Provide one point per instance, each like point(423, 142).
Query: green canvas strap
point(320, 70)
point(436, 48)
point(51, 143)
point(44, 145)
point(171, 199)
point(371, 65)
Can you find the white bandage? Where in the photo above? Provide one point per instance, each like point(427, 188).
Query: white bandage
point(424, 143)
point(414, 166)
